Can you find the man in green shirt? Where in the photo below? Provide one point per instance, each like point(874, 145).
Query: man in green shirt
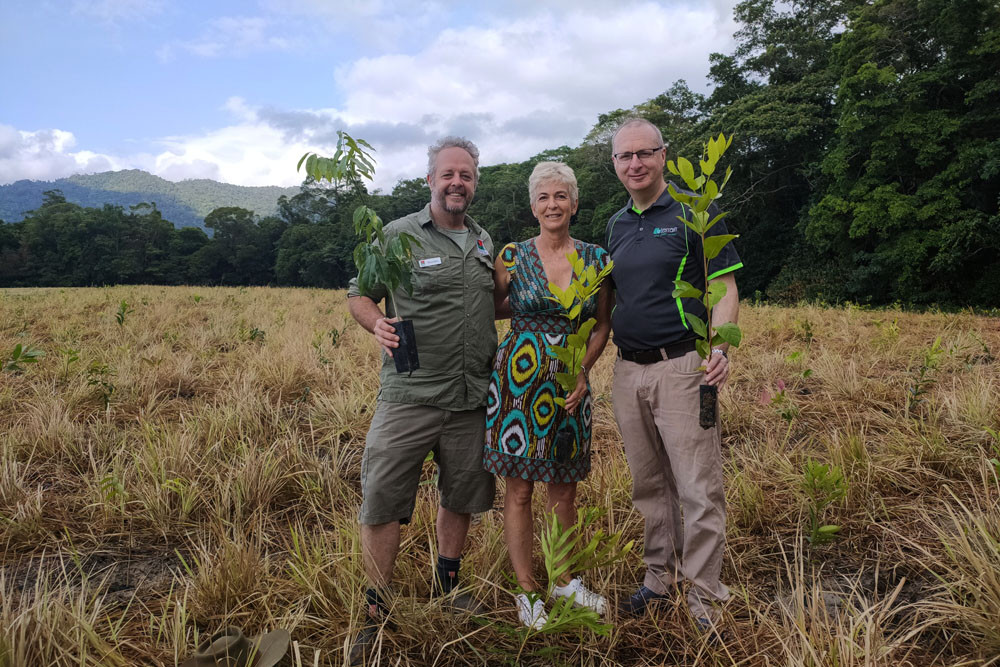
point(440, 407)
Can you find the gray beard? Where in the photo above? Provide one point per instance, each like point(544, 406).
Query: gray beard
point(454, 210)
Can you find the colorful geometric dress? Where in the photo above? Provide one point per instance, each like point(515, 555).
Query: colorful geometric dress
point(522, 417)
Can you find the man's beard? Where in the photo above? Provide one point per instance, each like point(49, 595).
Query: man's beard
point(455, 209)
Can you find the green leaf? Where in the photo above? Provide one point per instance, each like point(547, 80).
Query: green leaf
point(561, 353)
point(731, 333)
point(685, 290)
point(715, 244)
point(672, 168)
point(716, 290)
point(697, 325)
point(567, 381)
point(686, 172)
point(704, 349)
point(679, 196)
point(586, 327)
point(690, 225)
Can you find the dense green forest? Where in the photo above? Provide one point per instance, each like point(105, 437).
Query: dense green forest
point(866, 159)
point(185, 203)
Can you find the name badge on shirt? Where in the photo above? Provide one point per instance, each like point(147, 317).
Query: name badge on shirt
point(430, 261)
point(481, 247)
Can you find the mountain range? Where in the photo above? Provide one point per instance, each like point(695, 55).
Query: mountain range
point(185, 203)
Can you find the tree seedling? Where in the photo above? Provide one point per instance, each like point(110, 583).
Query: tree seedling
point(916, 392)
point(695, 204)
point(583, 287)
point(123, 312)
point(565, 550)
point(823, 485)
point(20, 355)
point(99, 376)
point(379, 260)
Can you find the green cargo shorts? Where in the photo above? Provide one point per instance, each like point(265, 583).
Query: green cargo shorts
point(398, 441)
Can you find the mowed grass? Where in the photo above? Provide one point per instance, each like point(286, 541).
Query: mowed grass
point(197, 466)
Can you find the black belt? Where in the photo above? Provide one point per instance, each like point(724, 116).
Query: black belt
point(657, 354)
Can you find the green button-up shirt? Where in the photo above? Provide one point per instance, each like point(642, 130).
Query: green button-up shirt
point(452, 312)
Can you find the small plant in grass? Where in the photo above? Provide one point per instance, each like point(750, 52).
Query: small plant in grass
point(780, 401)
point(99, 375)
point(784, 405)
point(566, 550)
point(380, 261)
point(888, 332)
point(823, 485)
point(797, 358)
point(805, 331)
point(70, 357)
point(113, 491)
point(336, 334)
point(123, 311)
point(705, 192)
point(923, 377)
point(20, 355)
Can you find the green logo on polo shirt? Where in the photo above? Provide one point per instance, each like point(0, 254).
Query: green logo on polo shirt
point(664, 231)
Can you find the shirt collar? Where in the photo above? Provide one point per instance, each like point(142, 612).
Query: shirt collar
point(663, 200)
point(424, 218)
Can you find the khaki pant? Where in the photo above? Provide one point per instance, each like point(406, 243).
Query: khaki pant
point(400, 437)
point(676, 471)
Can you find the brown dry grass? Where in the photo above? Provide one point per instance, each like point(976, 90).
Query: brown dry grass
point(220, 486)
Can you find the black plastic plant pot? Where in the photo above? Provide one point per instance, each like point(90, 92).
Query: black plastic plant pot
point(708, 401)
point(405, 356)
point(562, 447)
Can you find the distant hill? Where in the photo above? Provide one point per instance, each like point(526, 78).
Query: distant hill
point(185, 203)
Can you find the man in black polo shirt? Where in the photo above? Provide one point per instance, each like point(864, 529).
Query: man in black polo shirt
point(676, 465)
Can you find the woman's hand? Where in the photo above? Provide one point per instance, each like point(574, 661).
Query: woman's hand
point(573, 400)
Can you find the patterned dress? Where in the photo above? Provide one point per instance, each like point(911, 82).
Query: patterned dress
point(522, 417)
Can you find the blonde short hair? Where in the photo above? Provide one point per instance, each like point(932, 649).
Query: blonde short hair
point(557, 172)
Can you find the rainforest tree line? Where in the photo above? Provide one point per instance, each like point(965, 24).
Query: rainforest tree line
point(867, 168)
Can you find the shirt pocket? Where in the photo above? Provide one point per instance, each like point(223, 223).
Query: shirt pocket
point(430, 274)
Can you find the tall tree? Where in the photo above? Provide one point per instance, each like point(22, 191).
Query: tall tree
point(775, 94)
point(908, 204)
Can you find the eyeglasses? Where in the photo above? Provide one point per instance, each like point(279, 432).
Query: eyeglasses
point(643, 155)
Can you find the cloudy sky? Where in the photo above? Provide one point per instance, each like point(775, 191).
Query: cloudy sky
point(237, 91)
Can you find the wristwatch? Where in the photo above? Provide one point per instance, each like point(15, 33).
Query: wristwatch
point(719, 350)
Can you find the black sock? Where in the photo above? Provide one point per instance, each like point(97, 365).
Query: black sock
point(375, 602)
point(446, 574)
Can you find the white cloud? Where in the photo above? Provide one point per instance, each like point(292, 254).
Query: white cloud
point(46, 155)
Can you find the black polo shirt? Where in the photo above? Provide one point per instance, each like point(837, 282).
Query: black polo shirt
point(650, 250)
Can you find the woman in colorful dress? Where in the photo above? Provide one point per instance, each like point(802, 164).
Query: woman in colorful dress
point(522, 418)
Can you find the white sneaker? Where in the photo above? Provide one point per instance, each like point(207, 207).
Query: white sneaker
point(532, 615)
point(582, 597)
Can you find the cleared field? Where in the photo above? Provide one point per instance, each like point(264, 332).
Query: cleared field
point(191, 460)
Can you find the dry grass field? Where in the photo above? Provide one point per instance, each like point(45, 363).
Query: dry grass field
point(195, 465)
